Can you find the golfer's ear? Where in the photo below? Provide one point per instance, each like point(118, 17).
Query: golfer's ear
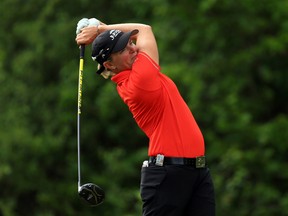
point(109, 65)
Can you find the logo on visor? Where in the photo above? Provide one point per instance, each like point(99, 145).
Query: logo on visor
point(114, 33)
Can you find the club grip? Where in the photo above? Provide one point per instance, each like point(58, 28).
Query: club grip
point(82, 51)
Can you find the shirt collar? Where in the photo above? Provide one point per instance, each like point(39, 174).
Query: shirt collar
point(121, 77)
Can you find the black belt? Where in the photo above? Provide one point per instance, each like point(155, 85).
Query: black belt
point(160, 160)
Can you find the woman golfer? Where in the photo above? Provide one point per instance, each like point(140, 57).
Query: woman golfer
point(175, 180)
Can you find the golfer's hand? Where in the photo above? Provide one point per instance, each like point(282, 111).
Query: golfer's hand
point(87, 35)
point(84, 22)
point(85, 31)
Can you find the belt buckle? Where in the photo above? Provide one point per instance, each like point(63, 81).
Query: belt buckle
point(159, 160)
point(200, 162)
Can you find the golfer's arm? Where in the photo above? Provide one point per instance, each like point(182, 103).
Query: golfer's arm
point(145, 39)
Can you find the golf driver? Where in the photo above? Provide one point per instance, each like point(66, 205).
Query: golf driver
point(91, 193)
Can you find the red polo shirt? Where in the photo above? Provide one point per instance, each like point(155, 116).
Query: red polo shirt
point(159, 110)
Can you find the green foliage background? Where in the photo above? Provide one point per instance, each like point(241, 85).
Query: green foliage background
point(229, 60)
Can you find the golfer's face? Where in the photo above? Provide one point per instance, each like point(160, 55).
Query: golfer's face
point(124, 59)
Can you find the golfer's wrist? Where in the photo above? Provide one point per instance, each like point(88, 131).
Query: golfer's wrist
point(101, 28)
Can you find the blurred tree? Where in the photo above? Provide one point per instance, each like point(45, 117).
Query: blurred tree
point(228, 59)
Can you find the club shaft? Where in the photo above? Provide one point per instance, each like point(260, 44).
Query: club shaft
point(78, 147)
point(81, 66)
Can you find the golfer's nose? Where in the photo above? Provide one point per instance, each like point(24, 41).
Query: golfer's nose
point(132, 48)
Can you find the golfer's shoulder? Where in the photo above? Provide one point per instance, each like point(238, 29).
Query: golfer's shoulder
point(145, 60)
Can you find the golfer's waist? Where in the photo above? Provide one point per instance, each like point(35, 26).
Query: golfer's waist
point(198, 162)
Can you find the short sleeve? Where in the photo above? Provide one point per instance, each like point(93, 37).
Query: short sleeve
point(145, 73)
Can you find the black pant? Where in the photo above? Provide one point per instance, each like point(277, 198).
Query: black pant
point(177, 190)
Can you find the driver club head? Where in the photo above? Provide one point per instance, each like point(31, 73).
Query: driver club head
point(92, 194)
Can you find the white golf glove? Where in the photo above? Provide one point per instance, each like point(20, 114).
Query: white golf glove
point(84, 22)
point(93, 22)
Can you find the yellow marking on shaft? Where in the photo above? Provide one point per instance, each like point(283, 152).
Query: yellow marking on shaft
point(81, 63)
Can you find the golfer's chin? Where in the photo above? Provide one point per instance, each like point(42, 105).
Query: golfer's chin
point(134, 58)
point(129, 66)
